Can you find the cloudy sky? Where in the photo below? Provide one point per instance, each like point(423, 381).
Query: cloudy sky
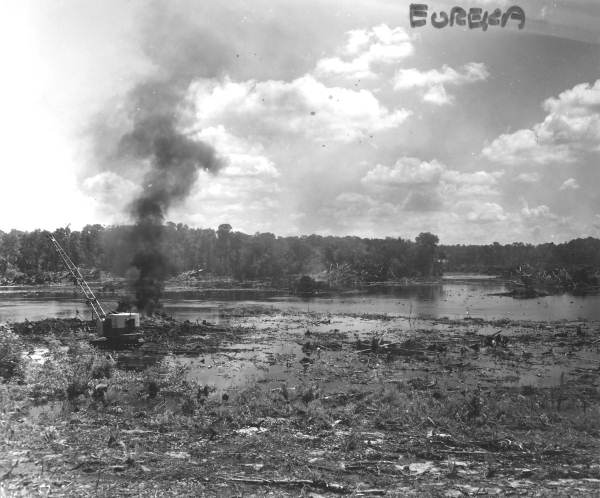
point(329, 117)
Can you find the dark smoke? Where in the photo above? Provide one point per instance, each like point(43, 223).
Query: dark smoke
point(175, 160)
point(154, 109)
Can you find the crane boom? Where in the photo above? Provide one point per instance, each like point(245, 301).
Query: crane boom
point(91, 299)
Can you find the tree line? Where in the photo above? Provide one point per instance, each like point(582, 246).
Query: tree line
point(225, 252)
point(499, 259)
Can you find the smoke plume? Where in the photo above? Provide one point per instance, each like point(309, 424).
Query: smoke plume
point(174, 161)
point(153, 140)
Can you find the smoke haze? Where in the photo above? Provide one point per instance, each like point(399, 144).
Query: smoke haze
point(153, 142)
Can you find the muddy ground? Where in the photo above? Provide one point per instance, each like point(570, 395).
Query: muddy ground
point(288, 404)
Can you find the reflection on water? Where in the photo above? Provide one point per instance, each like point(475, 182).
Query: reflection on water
point(452, 299)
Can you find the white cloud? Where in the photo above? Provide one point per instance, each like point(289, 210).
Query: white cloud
point(421, 186)
point(535, 214)
point(365, 49)
point(481, 211)
point(111, 192)
point(410, 171)
point(248, 173)
point(476, 178)
point(409, 211)
point(406, 171)
point(244, 201)
point(571, 127)
point(480, 184)
point(243, 159)
point(244, 192)
point(569, 184)
point(383, 34)
point(364, 214)
point(355, 204)
point(303, 107)
point(543, 224)
point(576, 101)
point(357, 40)
point(423, 200)
point(525, 146)
point(413, 78)
point(528, 178)
point(359, 213)
point(433, 82)
point(437, 95)
point(247, 184)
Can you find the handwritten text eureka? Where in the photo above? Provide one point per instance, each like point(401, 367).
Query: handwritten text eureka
point(475, 17)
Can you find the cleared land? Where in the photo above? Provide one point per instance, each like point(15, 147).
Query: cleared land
point(301, 403)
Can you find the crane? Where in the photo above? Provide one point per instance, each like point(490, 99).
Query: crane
point(90, 298)
point(117, 328)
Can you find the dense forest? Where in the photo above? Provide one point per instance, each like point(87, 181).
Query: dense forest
point(264, 256)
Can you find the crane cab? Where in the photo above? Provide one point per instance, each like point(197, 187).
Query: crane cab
point(117, 324)
point(118, 329)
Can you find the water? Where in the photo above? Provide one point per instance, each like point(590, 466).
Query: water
point(275, 325)
point(454, 298)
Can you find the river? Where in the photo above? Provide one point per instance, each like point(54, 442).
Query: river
point(458, 296)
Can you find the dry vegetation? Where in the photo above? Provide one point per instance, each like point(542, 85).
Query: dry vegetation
point(443, 409)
